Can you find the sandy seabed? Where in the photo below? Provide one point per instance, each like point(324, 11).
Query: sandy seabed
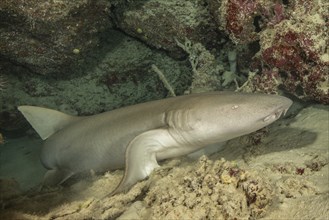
point(277, 173)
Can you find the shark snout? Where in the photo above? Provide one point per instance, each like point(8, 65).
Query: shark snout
point(285, 105)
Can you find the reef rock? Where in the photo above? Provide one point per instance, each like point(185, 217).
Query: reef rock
point(293, 43)
point(158, 22)
point(210, 190)
point(49, 36)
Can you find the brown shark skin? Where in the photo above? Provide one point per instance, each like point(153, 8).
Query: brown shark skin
point(136, 137)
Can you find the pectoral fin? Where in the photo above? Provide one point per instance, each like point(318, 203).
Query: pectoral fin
point(141, 157)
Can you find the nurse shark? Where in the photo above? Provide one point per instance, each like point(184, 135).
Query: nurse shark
point(137, 136)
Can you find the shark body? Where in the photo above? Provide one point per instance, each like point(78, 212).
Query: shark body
point(136, 137)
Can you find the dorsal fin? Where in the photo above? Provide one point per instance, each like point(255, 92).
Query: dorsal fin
point(46, 121)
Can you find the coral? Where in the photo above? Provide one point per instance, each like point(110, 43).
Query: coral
point(293, 187)
point(210, 189)
point(317, 162)
point(268, 82)
point(313, 165)
point(258, 194)
point(206, 71)
point(299, 53)
point(242, 20)
point(293, 43)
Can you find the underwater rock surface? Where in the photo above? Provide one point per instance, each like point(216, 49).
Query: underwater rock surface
point(49, 37)
point(158, 23)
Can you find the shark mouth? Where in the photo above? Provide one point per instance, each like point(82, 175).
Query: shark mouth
point(276, 115)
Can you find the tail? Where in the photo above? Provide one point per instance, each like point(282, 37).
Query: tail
point(46, 121)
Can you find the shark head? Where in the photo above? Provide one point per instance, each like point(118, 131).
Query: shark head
point(230, 115)
point(250, 112)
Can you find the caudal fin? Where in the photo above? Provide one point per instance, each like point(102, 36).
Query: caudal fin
point(46, 121)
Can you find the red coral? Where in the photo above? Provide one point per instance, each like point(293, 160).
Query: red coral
point(268, 82)
point(313, 81)
point(278, 13)
point(294, 53)
point(283, 57)
point(300, 171)
point(293, 43)
point(244, 19)
point(240, 13)
point(286, 53)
